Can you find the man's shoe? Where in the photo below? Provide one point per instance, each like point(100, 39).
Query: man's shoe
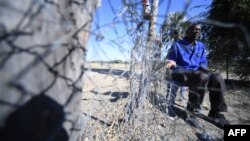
point(197, 111)
point(218, 119)
point(194, 111)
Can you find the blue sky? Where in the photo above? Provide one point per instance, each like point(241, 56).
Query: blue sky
point(112, 42)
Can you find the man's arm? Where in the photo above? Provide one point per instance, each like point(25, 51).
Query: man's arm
point(171, 57)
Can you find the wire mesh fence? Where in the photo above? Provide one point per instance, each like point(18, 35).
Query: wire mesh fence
point(41, 68)
point(124, 95)
point(129, 100)
point(140, 112)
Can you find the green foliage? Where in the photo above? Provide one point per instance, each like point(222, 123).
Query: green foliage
point(174, 21)
point(230, 43)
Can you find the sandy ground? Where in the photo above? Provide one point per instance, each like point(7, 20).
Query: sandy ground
point(106, 93)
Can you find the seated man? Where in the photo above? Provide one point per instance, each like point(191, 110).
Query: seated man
point(188, 59)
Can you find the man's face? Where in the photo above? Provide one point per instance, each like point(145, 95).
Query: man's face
point(194, 32)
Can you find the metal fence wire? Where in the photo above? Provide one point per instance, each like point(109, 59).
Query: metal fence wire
point(42, 51)
point(49, 90)
point(128, 100)
point(137, 101)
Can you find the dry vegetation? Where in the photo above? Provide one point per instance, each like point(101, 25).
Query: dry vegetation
point(105, 97)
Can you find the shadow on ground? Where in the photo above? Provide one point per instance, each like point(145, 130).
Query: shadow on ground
point(160, 103)
point(117, 72)
point(237, 83)
point(40, 119)
point(116, 95)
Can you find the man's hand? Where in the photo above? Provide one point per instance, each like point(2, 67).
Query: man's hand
point(170, 64)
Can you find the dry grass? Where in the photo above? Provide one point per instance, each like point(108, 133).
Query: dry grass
point(105, 96)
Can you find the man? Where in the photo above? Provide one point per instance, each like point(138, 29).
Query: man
point(188, 59)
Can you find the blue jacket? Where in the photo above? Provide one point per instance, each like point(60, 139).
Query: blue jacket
point(188, 56)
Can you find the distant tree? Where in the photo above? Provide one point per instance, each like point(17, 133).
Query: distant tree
point(173, 22)
point(173, 25)
point(228, 45)
point(116, 62)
